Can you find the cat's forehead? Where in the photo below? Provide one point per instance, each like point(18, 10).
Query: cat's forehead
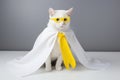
point(60, 13)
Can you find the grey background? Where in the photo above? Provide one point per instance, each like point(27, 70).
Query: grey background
point(96, 22)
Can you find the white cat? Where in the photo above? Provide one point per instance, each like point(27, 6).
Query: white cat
point(56, 54)
point(46, 48)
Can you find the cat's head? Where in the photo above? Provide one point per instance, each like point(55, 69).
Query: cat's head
point(60, 19)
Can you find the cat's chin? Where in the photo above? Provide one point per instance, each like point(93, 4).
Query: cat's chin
point(61, 28)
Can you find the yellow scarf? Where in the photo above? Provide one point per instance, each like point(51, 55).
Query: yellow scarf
point(67, 56)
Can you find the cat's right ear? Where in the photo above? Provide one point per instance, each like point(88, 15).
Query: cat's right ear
point(69, 11)
point(51, 11)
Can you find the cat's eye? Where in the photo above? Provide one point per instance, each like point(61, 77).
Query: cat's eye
point(65, 19)
point(57, 19)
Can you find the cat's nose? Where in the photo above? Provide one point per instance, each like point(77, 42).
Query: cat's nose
point(62, 23)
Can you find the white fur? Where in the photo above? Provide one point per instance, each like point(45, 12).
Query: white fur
point(56, 54)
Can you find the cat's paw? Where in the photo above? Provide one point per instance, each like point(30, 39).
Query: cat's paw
point(48, 69)
point(59, 68)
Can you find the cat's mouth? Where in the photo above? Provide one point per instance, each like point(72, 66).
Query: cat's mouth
point(62, 27)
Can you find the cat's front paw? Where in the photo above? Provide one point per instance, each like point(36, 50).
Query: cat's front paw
point(59, 68)
point(48, 68)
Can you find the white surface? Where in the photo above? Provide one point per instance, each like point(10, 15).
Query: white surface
point(112, 73)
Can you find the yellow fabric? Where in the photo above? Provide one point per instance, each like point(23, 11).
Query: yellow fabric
point(67, 56)
point(61, 19)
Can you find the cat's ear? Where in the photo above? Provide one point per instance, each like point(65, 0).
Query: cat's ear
point(69, 11)
point(51, 11)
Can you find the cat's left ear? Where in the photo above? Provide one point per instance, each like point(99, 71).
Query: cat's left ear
point(51, 11)
point(69, 11)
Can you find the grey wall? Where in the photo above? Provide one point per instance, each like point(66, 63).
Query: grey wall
point(95, 22)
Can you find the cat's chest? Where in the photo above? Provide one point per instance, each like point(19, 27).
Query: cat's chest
point(56, 50)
